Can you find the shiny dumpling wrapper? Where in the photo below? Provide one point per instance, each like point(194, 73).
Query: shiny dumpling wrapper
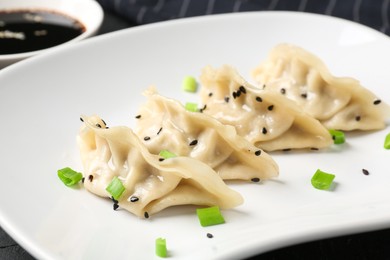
point(338, 102)
point(151, 184)
point(165, 124)
point(265, 118)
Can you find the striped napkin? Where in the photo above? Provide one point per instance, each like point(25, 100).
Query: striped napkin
point(373, 13)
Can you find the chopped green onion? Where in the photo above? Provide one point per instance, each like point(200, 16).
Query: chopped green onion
point(387, 141)
point(68, 176)
point(166, 154)
point(115, 188)
point(338, 136)
point(192, 107)
point(189, 84)
point(161, 247)
point(210, 216)
point(322, 180)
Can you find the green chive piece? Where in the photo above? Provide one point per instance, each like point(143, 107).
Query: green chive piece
point(115, 188)
point(338, 136)
point(322, 180)
point(166, 154)
point(189, 84)
point(68, 176)
point(192, 107)
point(210, 216)
point(387, 142)
point(161, 247)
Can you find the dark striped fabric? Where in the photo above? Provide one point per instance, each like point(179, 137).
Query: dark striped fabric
point(373, 13)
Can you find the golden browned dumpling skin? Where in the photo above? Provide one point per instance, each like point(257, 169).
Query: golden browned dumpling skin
point(151, 184)
point(265, 118)
point(165, 124)
point(339, 103)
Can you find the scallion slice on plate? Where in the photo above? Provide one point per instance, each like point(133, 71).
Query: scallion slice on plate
point(387, 142)
point(210, 216)
point(68, 176)
point(189, 84)
point(166, 154)
point(322, 180)
point(338, 136)
point(192, 107)
point(115, 188)
point(161, 247)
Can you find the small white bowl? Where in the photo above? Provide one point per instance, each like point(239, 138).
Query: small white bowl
point(88, 12)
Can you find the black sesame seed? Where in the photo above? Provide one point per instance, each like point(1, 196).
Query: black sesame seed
point(194, 142)
point(304, 95)
point(210, 94)
point(314, 149)
point(114, 200)
point(365, 172)
point(238, 93)
point(226, 99)
point(83, 179)
point(377, 102)
point(146, 214)
point(357, 118)
point(138, 116)
point(259, 99)
point(81, 119)
point(270, 107)
point(209, 235)
point(159, 131)
point(103, 122)
point(147, 138)
point(98, 125)
point(264, 131)
point(258, 152)
point(115, 206)
point(242, 89)
point(90, 178)
point(134, 199)
point(283, 91)
point(255, 179)
point(161, 159)
point(234, 94)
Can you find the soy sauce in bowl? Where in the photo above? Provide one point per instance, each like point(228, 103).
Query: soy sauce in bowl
point(32, 30)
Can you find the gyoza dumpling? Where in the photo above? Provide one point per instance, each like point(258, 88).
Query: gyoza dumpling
point(339, 103)
point(164, 124)
point(151, 185)
point(265, 118)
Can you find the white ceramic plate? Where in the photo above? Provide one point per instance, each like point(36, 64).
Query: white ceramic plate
point(42, 98)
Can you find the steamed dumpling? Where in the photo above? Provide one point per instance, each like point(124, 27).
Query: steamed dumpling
point(266, 119)
point(151, 184)
point(339, 103)
point(164, 124)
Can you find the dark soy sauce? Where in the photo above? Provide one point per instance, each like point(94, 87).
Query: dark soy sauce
point(32, 30)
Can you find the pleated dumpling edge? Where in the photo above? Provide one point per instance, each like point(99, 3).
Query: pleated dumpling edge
point(265, 118)
point(338, 102)
point(151, 184)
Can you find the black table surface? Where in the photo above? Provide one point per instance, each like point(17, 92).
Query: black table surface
point(368, 245)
